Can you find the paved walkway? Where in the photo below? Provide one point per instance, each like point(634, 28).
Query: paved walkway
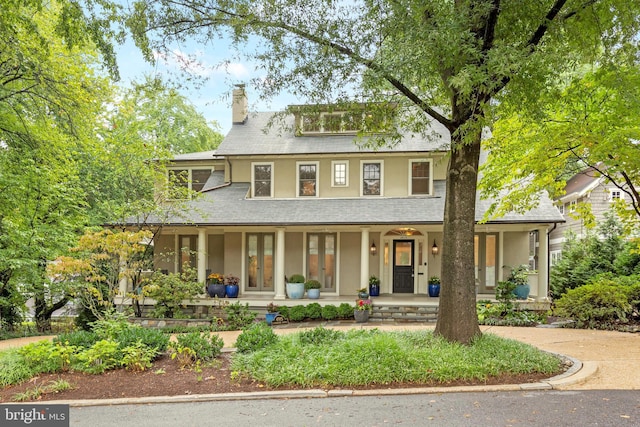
point(610, 360)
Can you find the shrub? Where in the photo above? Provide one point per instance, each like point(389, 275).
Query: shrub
point(169, 290)
point(13, 370)
point(296, 278)
point(284, 311)
point(505, 293)
point(83, 339)
point(595, 305)
point(39, 357)
point(297, 313)
point(314, 311)
point(111, 325)
point(329, 312)
point(345, 310)
point(239, 316)
point(255, 337)
point(152, 338)
point(319, 335)
point(312, 284)
point(102, 356)
point(206, 346)
point(138, 357)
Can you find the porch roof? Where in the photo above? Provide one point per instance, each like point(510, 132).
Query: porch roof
point(229, 206)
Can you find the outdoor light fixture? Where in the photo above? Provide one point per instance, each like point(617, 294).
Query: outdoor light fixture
point(435, 249)
point(373, 249)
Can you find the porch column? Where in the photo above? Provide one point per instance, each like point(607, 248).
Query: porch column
point(543, 264)
point(202, 255)
point(279, 267)
point(123, 284)
point(500, 256)
point(364, 258)
point(177, 252)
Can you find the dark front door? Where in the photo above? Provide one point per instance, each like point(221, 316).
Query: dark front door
point(403, 266)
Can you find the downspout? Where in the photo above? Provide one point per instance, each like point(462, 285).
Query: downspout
point(555, 225)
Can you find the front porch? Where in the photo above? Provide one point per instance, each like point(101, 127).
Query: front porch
point(386, 307)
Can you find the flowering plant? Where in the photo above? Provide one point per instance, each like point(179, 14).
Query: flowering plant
point(230, 279)
point(363, 304)
point(272, 308)
point(216, 278)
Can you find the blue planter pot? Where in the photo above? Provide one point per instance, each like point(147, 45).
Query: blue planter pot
point(270, 317)
point(374, 290)
point(216, 290)
point(434, 290)
point(295, 290)
point(232, 291)
point(313, 293)
point(522, 291)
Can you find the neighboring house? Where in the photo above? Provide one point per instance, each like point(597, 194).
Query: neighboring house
point(588, 187)
point(277, 202)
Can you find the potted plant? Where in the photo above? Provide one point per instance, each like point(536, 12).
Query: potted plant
point(295, 286)
point(232, 286)
point(363, 293)
point(215, 285)
point(374, 286)
point(362, 310)
point(434, 286)
point(520, 277)
point(272, 313)
point(313, 288)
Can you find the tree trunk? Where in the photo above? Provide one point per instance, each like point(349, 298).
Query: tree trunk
point(457, 318)
point(43, 312)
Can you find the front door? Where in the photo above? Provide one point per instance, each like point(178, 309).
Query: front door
point(403, 266)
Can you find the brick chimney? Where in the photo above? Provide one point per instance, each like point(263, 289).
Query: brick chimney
point(240, 105)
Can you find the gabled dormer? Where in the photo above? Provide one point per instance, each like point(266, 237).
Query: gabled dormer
point(342, 119)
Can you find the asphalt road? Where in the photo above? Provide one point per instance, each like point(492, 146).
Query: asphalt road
point(539, 408)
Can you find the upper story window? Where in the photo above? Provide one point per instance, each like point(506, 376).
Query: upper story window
point(262, 179)
point(369, 118)
point(420, 180)
point(339, 173)
point(572, 206)
point(307, 179)
point(187, 179)
point(616, 194)
point(372, 178)
point(561, 209)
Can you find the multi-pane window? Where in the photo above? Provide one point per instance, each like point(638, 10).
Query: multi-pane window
point(371, 178)
point(262, 178)
point(420, 177)
point(307, 179)
point(615, 194)
point(187, 179)
point(339, 173)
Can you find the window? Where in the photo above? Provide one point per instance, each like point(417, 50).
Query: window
point(561, 209)
point(615, 194)
point(572, 206)
point(307, 179)
point(555, 257)
point(339, 173)
point(183, 180)
point(371, 178)
point(262, 179)
point(420, 179)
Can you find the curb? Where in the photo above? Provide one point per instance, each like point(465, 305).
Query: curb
point(578, 373)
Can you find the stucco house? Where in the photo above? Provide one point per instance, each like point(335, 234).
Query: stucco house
point(586, 187)
point(304, 198)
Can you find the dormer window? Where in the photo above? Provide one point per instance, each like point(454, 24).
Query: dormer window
point(337, 122)
point(186, 179)
point(360, 117)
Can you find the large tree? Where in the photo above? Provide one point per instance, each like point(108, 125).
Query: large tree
point(448, 61)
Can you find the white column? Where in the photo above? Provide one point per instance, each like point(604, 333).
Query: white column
point(279, 267)
point(543, 264)
point(364, 258)
point(177, 252)
point(123, 284)
point(500, 256)
point(202, 255)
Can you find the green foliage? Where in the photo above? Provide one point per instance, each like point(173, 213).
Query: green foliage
point(296, 278)
point(312, 284)
point(319, 336)
point(519, 275)
point(256, 337)
point(505, 293)
point(102, 356)
point(36, 392)
point(239, 316)
point(152, 338)
point(329, 312)
point(345, 310)
point(313, 311)
point(284, 311)
point(40, 357)
point(205, 345)
point(297, 313)
point(598, 304)
point(322, 358)
point(83, 339)
point(170, 290)
point(13, 368)
point(138, 356)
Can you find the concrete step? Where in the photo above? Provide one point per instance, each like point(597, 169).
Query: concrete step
point(393, 313)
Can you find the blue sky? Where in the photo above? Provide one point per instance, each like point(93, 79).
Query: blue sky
point(213, 97)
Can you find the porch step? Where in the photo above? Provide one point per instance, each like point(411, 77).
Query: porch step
point(396, 313)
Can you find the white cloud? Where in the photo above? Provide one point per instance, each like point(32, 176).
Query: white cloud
point(196, 65)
